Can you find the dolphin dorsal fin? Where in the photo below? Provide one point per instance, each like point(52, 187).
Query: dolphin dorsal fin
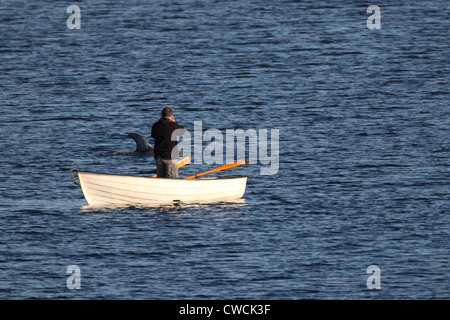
point(142, 144)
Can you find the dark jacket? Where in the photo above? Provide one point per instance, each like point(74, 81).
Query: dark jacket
point(162, 133)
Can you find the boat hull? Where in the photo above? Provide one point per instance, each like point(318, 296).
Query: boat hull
point(113, 189)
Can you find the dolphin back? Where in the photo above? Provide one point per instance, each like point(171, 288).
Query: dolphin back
point(142, 145)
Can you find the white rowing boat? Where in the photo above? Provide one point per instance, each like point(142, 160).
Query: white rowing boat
point(115, 189)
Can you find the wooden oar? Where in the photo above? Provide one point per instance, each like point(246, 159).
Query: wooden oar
point(220, 168)
point(181, 163)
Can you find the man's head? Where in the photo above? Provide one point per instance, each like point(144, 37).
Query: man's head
point(167, 112)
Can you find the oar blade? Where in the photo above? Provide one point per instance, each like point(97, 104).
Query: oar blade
point(184, 161)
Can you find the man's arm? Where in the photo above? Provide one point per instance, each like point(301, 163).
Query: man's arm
point(180, 129)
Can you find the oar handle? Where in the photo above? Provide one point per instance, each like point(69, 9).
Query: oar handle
point(225, 166)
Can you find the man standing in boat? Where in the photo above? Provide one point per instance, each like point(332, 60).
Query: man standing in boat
point(166, 150)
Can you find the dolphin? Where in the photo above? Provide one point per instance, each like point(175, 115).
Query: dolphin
point(142, 146)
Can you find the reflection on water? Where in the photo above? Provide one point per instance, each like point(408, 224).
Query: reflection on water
point(175, 208)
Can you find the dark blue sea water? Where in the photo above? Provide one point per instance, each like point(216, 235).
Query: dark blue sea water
point(364, 124)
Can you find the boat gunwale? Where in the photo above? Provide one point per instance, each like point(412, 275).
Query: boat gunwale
point(150, 177)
